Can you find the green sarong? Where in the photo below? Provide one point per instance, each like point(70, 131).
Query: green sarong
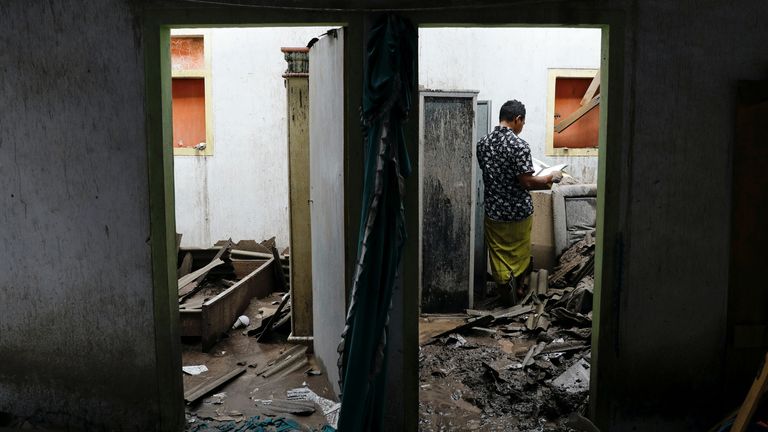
point(509, 247)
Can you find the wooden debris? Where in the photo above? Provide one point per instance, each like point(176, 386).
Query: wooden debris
point(513, 312)
point(579, 113)
point(747, 410)
point(189, 283)
point(292, 360)
point(485, 330)
point(207, 387)
point(564, 346)
point(185, 267)
point(295, 407)
point(591, 90)
point(542, 282)
point(271, 320)
point(574, 263)
point(221, 311)
point(472, 322)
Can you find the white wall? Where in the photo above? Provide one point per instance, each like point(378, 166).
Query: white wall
point(510, 63)
point(242, 190)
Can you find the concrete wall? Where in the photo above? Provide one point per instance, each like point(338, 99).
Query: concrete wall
point(242, 190)
point(326, 192)
point(77, 337)
point(510, 63)
point(687, 62)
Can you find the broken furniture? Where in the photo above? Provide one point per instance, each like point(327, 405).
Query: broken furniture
point(574, 212)
point(209, 318)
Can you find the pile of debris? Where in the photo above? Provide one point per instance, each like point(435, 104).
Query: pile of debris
point(516, 369)
point(217, 284)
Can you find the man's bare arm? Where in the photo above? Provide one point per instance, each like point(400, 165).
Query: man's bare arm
point(532, 182)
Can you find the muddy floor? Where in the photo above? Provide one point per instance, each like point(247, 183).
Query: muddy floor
point(236, 402)
point(476, 381)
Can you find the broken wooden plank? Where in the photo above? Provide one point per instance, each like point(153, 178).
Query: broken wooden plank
point(187, 289)
point(579, 113)
point(289, 353)
point(295, 407)
point(271, 320)
point(533, 282)
point(186, 265)
point(295, 363)
point(207, 387)
point(532, 353)
point(592, 89)
point(245, 267)
point(514, 312)
point(485, 330)
point(747, 410)
point(190, 282)
point(192, 277)
point(190, 321)
point(542, 282)
point(472, 312)
point(282, 285)
point(246, 245)
point(564, 346)
point(472, 322)
point(269, 243)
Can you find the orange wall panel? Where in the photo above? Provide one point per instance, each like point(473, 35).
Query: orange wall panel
point(584, 132)
point(188, 112)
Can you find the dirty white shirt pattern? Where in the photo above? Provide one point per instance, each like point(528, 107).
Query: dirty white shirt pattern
point(503, 156)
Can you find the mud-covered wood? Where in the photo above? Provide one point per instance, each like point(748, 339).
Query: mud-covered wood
point(447, 195)
point(219, 313)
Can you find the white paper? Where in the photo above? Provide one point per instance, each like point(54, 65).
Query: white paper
point(194, 370)
point(553, 168)
point(330, 408)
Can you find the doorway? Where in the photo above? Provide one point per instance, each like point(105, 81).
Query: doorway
point(405, 369)
point(235, 152)
point(485, 364)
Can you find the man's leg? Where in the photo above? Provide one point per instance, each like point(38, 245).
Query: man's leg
point(496, 238)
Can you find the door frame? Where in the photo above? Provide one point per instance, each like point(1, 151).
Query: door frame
point(155, 26)
point(613, 182)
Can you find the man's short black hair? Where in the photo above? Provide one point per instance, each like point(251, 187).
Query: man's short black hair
point(511, 109)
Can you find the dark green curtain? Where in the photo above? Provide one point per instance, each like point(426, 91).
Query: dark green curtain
point(390, 76)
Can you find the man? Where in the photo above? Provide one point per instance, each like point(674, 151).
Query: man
point(508, 176)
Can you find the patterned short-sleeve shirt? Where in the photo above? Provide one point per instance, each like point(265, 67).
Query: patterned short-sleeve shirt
point(503, 156)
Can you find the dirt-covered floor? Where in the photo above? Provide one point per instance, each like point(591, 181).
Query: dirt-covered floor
point(478, 383)
point(521, 368)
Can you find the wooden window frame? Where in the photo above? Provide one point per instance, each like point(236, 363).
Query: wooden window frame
point(554, 74)
point(205, 74)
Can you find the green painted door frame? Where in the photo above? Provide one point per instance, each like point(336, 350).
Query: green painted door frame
point(613, 180)
point(156, 25)
point(613, 183)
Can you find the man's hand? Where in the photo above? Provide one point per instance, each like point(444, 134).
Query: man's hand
point(556, 177)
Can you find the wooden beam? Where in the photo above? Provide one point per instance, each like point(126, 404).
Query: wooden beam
point(592, 89)
point(208, 386)
point(749, 406)
point(579, 113)
point(191, 277)
point(268, 326)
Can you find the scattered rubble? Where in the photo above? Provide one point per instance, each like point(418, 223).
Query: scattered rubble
point(524, 368)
